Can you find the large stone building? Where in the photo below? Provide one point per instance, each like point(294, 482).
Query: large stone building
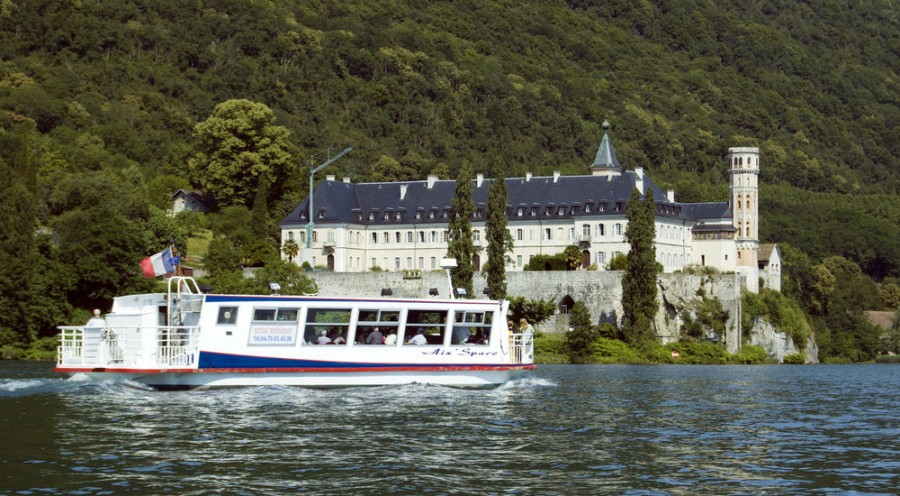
point(404, 225)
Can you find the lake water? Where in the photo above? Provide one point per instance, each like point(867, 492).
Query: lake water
point(827, 429)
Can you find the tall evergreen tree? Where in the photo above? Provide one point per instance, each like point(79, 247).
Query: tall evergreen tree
point(639, 283)
point(499, 240)
point(461, 247)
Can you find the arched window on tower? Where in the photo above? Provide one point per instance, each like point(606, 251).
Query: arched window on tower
point(739, 203)
point(747, 202)
point(748, 231)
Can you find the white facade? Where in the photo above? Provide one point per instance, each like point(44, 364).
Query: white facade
point(404, 226)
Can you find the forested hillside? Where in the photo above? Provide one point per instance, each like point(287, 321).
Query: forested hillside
point(99, 101)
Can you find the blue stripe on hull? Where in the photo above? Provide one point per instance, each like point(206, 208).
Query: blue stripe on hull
point(210, 360)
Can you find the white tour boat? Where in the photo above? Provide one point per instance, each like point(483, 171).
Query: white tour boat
point(185, 339)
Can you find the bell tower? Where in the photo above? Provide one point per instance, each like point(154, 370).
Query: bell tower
point(743, 170)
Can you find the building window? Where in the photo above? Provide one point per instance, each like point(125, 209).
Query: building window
point(433, 262)
point(387, 237)
point(397, 237)
point(587, 207)
point(431, 214)
point(601, 258)
point(562, 210)
point(421, 262)
point(434, 238)
point(534, 210)
point(374, 238)
point(479, 213)
point(476, 235)
point(303, 236)
point(409, 264)
point(446, 236)
point(550, 211)
point(315, 237)
point(601, 207)
point(601, 230)
point(371, 216)
point(331, 236)
point(421, 236)
point(548, 234)
point(418, 215)
point(445, 214)
point(519, 261)
point(291, 235)
point(520, 211)
point(398, 216)
point(519, 235)
point(409, 236)
point(620, 206)
point(387, 216)
point(617, 229)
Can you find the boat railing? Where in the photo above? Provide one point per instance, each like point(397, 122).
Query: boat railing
point(522, 348)
point(150, 347)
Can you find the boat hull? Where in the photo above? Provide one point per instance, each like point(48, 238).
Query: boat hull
point(462, 377)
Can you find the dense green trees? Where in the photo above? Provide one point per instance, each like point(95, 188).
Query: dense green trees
point(111, 93)
point(639, 286)
point(461, 246)
point(238, 150)
point(499, 240)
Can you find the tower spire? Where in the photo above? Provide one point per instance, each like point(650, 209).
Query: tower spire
point(606, 162)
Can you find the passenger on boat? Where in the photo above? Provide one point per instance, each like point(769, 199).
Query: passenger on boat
point(339, 338)
point(96, 320)
point(460, 335)
point(391, 338)
point(375, 337)
point(419, 338)
point(323, 339)
point(480, 337)
point(525, 328)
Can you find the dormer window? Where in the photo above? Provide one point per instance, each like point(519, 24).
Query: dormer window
point(534, 210)
point(588, 207)
point(371, 216)
point(562, 210)
point(418, 215)
point(321, 214)
point(359, 216)
point(387, 216)
point(620, 206)
point(520, 211)
point(550, 211)
point(398, 216)
point(601, 207)
point(432, 214)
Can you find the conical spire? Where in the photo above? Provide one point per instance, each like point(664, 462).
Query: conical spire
point(606, 160)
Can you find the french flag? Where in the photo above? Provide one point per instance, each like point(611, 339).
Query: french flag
point(159, 264)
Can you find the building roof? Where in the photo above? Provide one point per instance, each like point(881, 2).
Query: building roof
point(765, 252)
point(529, 198)
point(606, 154)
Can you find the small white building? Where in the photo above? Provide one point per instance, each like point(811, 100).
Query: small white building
point(404, 225)
point(187, 201)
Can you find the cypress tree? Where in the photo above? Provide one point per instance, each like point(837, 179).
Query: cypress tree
point(461, 247)
point(639, 283)
point(498, 237)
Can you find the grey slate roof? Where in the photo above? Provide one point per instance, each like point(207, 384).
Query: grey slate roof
point(366, 203)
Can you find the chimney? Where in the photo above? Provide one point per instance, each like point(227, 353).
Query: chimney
point(555, 176)
point(640, 172)
point(527, 176)
point(329, 177)
point(479, 178)
point(403, 188)
point(670, 195)
point(639, 180)
point(431, 181)
point(347, 179)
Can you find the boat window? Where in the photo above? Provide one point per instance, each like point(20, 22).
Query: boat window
point(334, 322)
point(287, 314)
point(472, 328)
point(386, 322)
point(227, 315)
point(432, 322)
point(263, 314)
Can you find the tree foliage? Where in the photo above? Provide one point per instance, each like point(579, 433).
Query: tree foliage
point(461, 246)
point(499, 239)
point(639, 286)
point(238, 150)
